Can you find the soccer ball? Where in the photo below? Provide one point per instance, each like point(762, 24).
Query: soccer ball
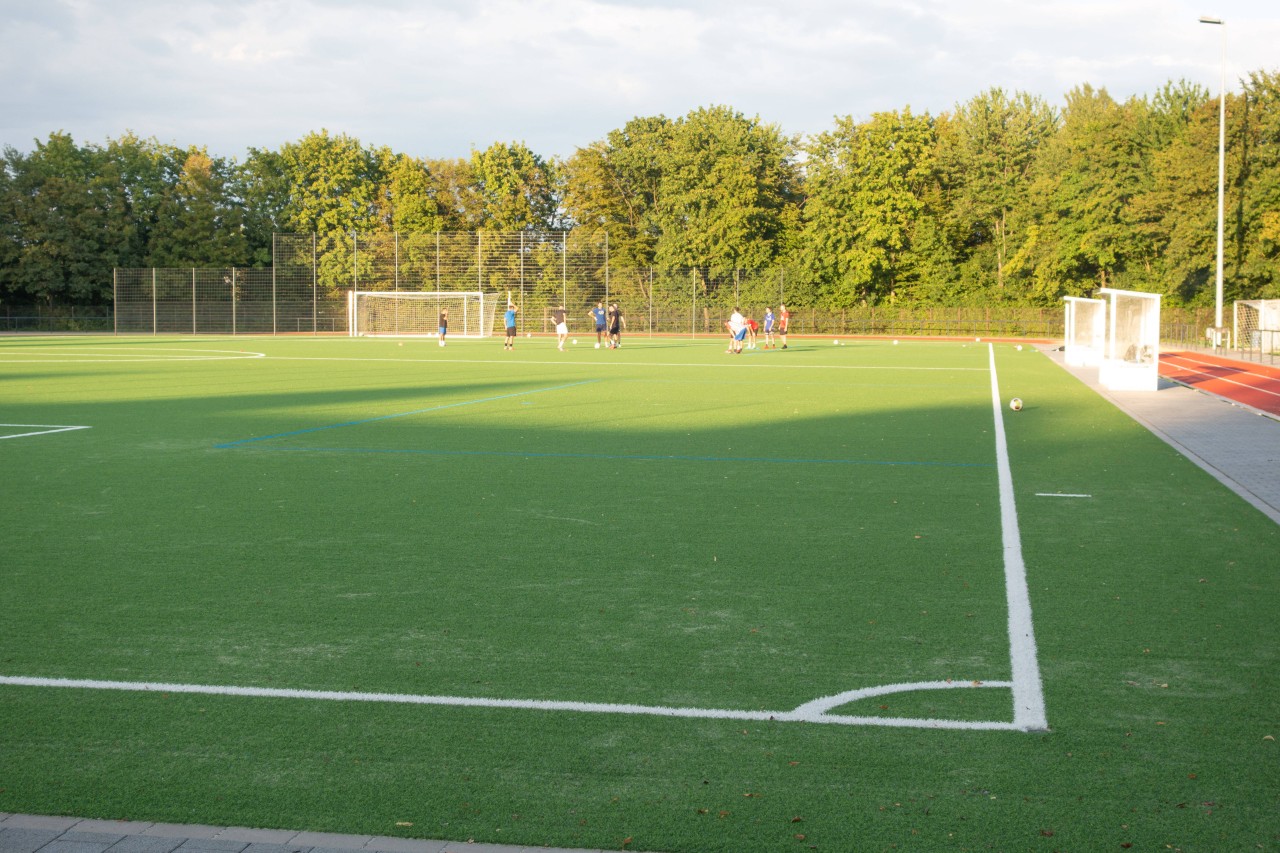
point(1016, 404)
point(1018, 347)
point(835, 343)
point(597, 346)
point(575, 342)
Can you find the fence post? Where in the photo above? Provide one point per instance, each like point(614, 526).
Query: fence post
point(193, 300)
point(153, 300)
point(233, 301)
point(115, 301)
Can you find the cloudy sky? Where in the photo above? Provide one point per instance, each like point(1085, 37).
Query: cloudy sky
point(436, 79)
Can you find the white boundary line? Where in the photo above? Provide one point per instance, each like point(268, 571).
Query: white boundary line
point(87, 356)
point(1028, 694)
point(1028, 698)
point(810, 712)
point(44, 429)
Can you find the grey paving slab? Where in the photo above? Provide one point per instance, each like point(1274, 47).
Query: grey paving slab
point(62, 845)
point(79, 833)
point(212, 845)
point(260, 847)
point(146, 844)
point(390, 844)
point(18, 839)
point(282, 837)
point(182, 830)
point(330, 841)
point(35, 821)
point(111, 827)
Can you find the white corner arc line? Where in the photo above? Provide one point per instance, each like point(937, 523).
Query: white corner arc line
point(40, 429)
point(1028, 692)
point(810, 712)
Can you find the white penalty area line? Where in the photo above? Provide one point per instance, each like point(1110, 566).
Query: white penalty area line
point(38, 429)
point(739, 365)
point(1060, 495)
point(91, 355)
point(816, 711)
point(1028, 692)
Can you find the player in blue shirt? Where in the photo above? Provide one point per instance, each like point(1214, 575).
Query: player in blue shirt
point(597, 316)
point(509, 320)
point(768, 328)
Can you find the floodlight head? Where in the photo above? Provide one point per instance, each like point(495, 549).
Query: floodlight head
point(1205, 19)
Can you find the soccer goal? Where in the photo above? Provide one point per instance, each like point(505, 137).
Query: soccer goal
point(1256, 324)
point(412, 313)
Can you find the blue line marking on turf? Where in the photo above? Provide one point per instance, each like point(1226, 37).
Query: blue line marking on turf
point(244, 441)
point(656, 457)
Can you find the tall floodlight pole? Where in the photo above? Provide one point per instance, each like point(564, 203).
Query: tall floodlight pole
point(1222, 158)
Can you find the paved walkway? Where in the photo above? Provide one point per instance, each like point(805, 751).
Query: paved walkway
point(1238, 446)
point(35, 834)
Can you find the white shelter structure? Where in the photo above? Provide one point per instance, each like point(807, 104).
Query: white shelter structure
point(1131, 352)
point(1086, 331)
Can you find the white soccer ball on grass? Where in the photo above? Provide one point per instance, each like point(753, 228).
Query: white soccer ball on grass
point(1016, 404)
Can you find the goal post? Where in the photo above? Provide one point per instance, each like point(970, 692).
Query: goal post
point(404, 313)
point(1256, 324)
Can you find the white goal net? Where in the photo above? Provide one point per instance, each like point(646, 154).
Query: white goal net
point(410, 313)
point(1257, 324)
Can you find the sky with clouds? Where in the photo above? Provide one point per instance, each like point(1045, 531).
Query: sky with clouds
point(437, 79)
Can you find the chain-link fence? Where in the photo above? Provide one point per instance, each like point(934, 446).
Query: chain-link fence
point(305, 290)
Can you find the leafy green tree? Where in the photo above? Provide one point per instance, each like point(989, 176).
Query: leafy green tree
point(1256, 230)
point(64, 221)
point(332, 184)
point(263, 188)
point(986, 158)
point(614, 185)
point(408, 202)
point(198, 223)
point(867, 186)
point(517, 188)
point(726, 184)
point(1084, 185)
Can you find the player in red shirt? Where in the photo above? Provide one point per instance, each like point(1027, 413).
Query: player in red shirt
point(784, 321)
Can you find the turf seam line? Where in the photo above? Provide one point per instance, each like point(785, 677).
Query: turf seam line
point(255, 439)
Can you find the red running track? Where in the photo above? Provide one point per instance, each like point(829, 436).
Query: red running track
point(1253, 385)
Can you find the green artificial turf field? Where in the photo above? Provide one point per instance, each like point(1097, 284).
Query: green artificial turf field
point(662, 598)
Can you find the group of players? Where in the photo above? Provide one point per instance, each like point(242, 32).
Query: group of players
point(610, 322)
point(744, 330)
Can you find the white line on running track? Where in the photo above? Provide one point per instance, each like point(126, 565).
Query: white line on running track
point(1171, 360)
point(1028, 693)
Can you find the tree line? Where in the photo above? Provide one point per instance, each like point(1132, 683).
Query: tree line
point(1006, 199)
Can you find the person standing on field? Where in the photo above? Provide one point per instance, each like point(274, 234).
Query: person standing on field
point(562, 327)
point(509, 320)
point(784, 322)
point(444, 324)
point(737, 326)
point(597, 316)
point(768, 328)
point(616, 324)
